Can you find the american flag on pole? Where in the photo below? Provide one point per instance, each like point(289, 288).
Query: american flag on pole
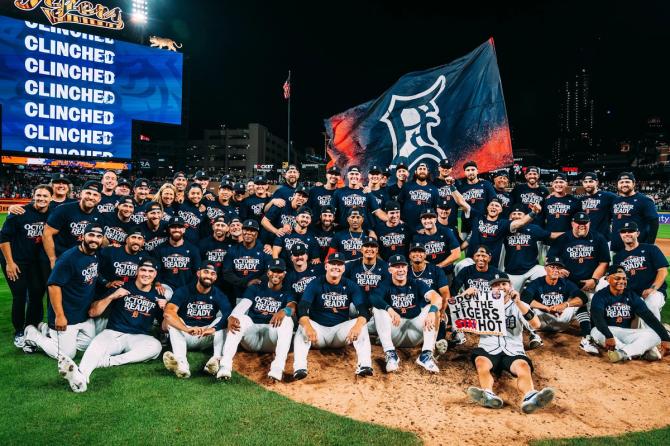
point(287, 87)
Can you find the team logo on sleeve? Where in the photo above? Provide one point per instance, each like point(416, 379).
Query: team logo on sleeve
point(34, 230)
point(90, 273)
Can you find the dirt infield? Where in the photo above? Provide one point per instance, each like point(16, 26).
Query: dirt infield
point(593, 397)
point(664, 244)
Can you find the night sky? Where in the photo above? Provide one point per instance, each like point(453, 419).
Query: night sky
point(346, 52)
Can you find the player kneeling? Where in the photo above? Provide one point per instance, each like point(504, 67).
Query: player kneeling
point(196, 315)
point(126, 340)
point(262, 323)
point(496, 354)
point(323, 314)
point(402, 317)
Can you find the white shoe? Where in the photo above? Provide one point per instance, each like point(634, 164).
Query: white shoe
point(43, 328)
point(69, 371)
point(392, 361)
point(426, 361)
point(586, 345)
point(652, 354)
point(485, 398)
point(617, 356)
point(212, 366)
point(19, 340)
point(441, 347)
point(224, 374)
point(275, 375)
point(171, 363)
point(30, 339)
point(536, 400)
point(534, 341)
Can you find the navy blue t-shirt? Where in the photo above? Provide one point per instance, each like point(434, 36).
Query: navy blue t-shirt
point(642, 264)
point(288, 241)
point(445, 194)
point(550, 295)
point(178, 264)
point(246, 263)
point(196, 222)
point(24, 233)
point(414, 198)
point(154, 238)
point(140, 213)
point(329, 304)
point(265, 302)
point(346, 198)
point(438, 246)
point(214, 250)
point(599, 208)
point(478, 195)
point(506, 200)
point(558, 212)
point(490, 233)
point(108, 204)
point(470, 277)
point(117, 264)
point(580, 256)
point(200, 310)
point(116, 230)
point(324, 238)
point(432, 276)
point(368, 277)
point(70, 221)
point(407, 300)
point(619, 310)
point(526, 195)
point(392, 240)
point(215, 209)
point(348, 243)
point(381, 195)
point(298, 281)
point(521, 253)
point(285, 192)
point(319, 197)
point(136, 312)
point(637, 208)
point(76, 274)
point(278, 217)
point(252, 208)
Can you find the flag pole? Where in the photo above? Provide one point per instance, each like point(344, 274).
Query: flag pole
point(288, 120)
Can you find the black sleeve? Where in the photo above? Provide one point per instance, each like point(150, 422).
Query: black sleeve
point(303, 308)
point(364, 312)
point(599, 321)
point(649, 318)
point(232, 278)
point(582, 295)
point(527, 296)
point(653, 231)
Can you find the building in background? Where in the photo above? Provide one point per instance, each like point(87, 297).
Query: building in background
point(575, 118)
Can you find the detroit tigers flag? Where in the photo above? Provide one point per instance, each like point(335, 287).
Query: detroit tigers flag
point(454, 111)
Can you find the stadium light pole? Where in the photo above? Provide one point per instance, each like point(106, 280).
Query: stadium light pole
point(140, 15)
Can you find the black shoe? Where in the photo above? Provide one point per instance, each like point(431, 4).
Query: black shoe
point(300, 374)
point(363, 371)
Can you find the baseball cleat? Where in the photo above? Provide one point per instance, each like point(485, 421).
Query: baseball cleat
point(224, 374)
point(617, 355)
point(441, 347)
point(299, 374)
point(392, 361)
point(458, 338)
point(173, 365)
point(485, 398)
point(536, 400)
point(363, 371)
point(275, 375)
point(30, 339)
point(534, 341)
point(426, 361)
point(212, 366)
point(69, 371)
point(19, 339)
point(43, 328)
point(586, 345)
point(652, 354)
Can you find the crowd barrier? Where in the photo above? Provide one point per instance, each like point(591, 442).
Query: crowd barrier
point(5, 203)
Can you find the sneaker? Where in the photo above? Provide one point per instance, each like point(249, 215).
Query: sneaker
point(617, 355)
point(652, 354)
point(586, 345)
point(458, 338)
point(534, 341)
point(212, 366)
point(392, 361)
point(19, 339)
point(69, 371)
point(43, 328)
point(441, 347)
point(485, 398)
point(30, 339)
point(299, 374)
point(536, 400)
point(426, 361)
point(171, 363)
point(363, 371)
point(275, 375)
point(224, 374)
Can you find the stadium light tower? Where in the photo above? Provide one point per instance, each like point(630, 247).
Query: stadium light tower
point(140, 11)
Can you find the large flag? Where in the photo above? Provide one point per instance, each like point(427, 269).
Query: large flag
point(454, 111)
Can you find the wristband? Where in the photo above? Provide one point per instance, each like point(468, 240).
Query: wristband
point(288, 311)
point(433, 309)
point(653, 287)
point(532, 214)
point(529, 315)
point(594, 279)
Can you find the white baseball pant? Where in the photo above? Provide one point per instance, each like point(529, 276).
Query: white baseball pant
point(518, 280)
point(259, 338)
point(410, 332)
point(655, 301)
point(556, 322)
point(111, 348)
point(182, 342)
point(331, 337)
point(633, 341)
point(75, 337)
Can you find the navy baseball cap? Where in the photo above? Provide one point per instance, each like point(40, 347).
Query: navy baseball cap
point(354, 211)
point(500, 173)
point(428, 212)
point(626, 176)
point(225, 184)
point(239, 188)
point(589, 176)
point(135, 230)
point(92, 185)
point(251, 224)
point(445, 164)
point(629, 226)
point(94, 227)
point(220, 219)
point(560, 176)
point(277, 265)
point(260, 179)
point(141, 182)
point(554, 261)
point(123, 182)
point(401, 164)
point(397, 260)
point(328, 210)
point(304, 210)
point(336, 257)
point(518, 208)
point(333, 170)
point(292, 167)
point(354, 169)
point(149, 262)
point(375, 169)
point(179, 174)
point(581, 217)
point(417, 247)
point(386, 172)
point(531, 169)
point(154, 207)
point(499, 278)
point(421, 164)
point(176, 221)
point(201, 175)
point(301, 189)
point(370, 241)
point(298, 249)
point(126, 200)
point(391, 206)
point(208, 264)
point(615, 269)
point(443, 204)
point(470, 163)
point(60, 177)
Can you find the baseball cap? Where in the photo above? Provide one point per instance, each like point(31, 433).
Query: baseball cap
point(470, 163)
point(327, 210)
point(589, 176)
point(277, 265)
point(496, 200)
point(178, 174)
point(304, 210)
point(354, 169)
point(397, 260)
point(417, 247)
point(333, 170)
point(301, 189)
point(292, 167)
point(533, 169)
point(401, 164)
point(483, 248)
point(615, 269)
point(421, 164)
point(500, 173)
point(499, 278)
point(225, 184)
point(298, 249)
point(428, 212)
point(126, 200)
point(94, 227)
point(443, 204)
point(251, 224)
point(201, 175)
point(141, 182)
point(208, 264)
point(629, 226)
point(149, 262)
point(336, 257)
point(581, 217)
point(554, 261)
point(60, 177)
point(445, 164)
point(220, 219)
point(560, 176)
point(518, 208)
point(260, 179)
point(626, 176)
point(176, 221)
point(153, 207)
point(240, 188)
point(386, 172)
point(92, 185)
point(370, 241)
point(391, 206)
point(354, 211)
point(135, 230)
point(123, 182)
point(375, 169)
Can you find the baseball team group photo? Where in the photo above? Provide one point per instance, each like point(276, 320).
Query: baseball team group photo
point(442, 264)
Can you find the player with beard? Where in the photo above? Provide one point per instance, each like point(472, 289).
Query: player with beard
point(531, 191)
point(444, 183)
point(597, 204)
point(223, 205)
point(375, 186)
point(202, 179)
point(278, 221)
point(123, 188)
point(262, 322)
point(155, 228)
point(417, 195)
point(118, 265)
point(500, 185)
point(475, 277)
point(133, 310)
point(166, 197)
point(193, 212)
point(442, 248)
point(108, 199)
point(179, 258)
point(214, 248)
point(72, 285)
point(325, 321)
point(196, 315)
point(300, 235)
point(401, 176)
point(65, 225)
point(350, 241)
point(368, 271)
point(180, 182)
point(118, 223)
point(20, 245)
point(324, 230)
point(444, 221)
point(352, 196)
point(253, 205)
point(392, 234)
point(285, 191)
point(559, 206)
point(631, 206)
point(477, 192)
point(301, 273)
point(140, 199)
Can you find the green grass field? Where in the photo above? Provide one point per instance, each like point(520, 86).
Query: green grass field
point(144, 404)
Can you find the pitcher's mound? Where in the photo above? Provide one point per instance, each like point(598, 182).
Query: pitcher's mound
point(593, 397)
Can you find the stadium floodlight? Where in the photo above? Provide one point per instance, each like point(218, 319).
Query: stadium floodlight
point(140, 11)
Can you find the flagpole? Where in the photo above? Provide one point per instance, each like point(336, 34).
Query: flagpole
point(288, 120)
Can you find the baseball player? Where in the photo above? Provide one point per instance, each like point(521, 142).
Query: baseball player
point(631, 206)
point(350, 240)
point(557, 302)
point(392, 234)
point(141, 191)
point(442, 248)
point(323, 314)
point(353, 196)
point(403, 317)
point(155, 228)
point(497, 354)
point(530, 192)
point(180, 182)
point(262, 322)
point(597, 204)
point(72, 285)
point(279, 221)
point(179, 259)
point(401, 175)
point(61, 190)
point(123, 188)
point(194, 214)
point(196, 315)
point(559, 206)
point(299, 234)
point(127, 338)
point(444, 183)
point(224, 206)
point(368, 271)
point(108, 199)
point(118, 265)
point(500, 184)
point(118, 223)
point(215, 247)
point(202, 179)
point(477, 192)
point(612, 312)
point(417, 195)
point(301, 272)
point(324, 229)
point(286, 191)
point(320, 196)
point(375, 187)
point(253, 205)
